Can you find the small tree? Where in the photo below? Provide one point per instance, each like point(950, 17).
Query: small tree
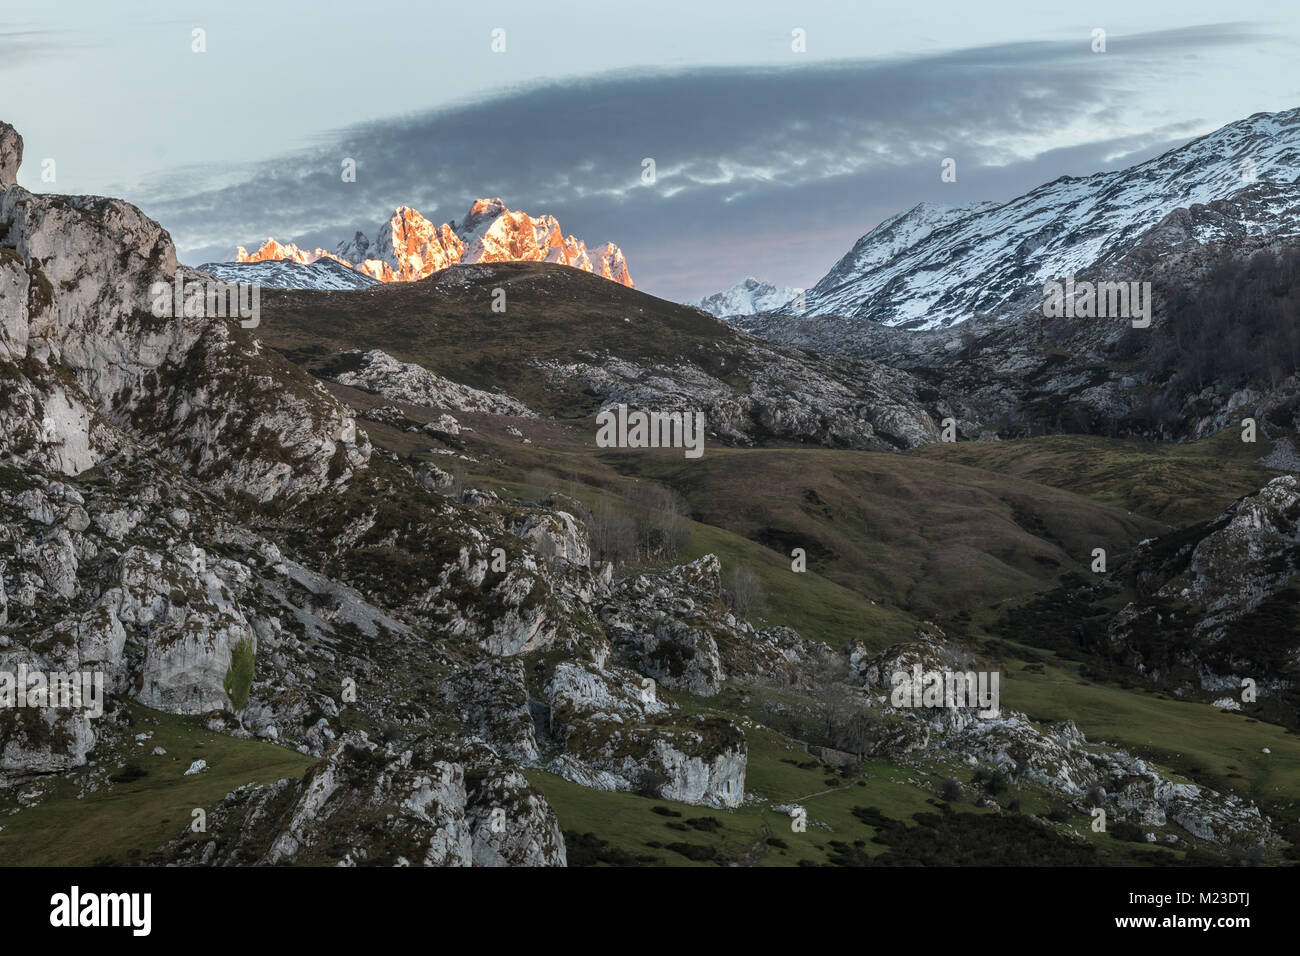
point(661, 525)
point(612, 533)
point(457, 472)
point(538, 486)
point(744, 591)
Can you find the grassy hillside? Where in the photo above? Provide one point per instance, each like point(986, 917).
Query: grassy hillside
point(446, 323)
point(150, 801)
point(1173, 483)
point(925, 536)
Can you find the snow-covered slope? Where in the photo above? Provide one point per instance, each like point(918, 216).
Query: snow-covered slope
point(935, 266)
point(289, 274)
point(746, 298)
point(409, 247)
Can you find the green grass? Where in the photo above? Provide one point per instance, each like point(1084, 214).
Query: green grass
point(123, 821)
point(1194, 739)
point(629, 822)
point(924, 536)
point(780, 772)
point(1176, 484)
point(814, 606)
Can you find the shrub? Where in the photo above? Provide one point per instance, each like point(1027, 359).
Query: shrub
point(994, 781)
point(1129, 832)
point(693, 851)
point(129, 772)
point(239, 678)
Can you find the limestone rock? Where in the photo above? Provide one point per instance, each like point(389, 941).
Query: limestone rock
point(11, 154)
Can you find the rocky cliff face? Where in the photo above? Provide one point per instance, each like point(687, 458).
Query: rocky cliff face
point(409, 247)
point(91, 369)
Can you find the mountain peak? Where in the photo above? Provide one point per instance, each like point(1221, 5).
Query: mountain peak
point(487, 207)
point(746, 297)
point(934, 266)
point(409, 247)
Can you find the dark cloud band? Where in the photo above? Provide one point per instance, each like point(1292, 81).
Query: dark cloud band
point(766, 171)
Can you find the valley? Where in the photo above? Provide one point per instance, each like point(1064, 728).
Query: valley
point(368, 586)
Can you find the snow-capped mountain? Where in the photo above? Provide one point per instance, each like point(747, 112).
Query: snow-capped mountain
point(289, 273)
point(409, 247)
point(746, 298)
point(935, 266)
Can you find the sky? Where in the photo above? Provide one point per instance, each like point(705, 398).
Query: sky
point(771, 157)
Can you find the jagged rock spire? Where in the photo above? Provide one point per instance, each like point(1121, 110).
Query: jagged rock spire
point(11, 155)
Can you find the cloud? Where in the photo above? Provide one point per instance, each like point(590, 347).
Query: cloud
point(768, 171)
point(21, 46)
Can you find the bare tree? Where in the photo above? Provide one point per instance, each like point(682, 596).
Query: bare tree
point(662, 527)
point(538, 485)
point(612, 534)
point(458, 480)
point(744, 591)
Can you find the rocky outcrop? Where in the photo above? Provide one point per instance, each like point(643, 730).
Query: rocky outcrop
point(491, 699)
point(674, 628)
point(558, 536)
point(42, 740)
point(1251, 556)
point(367, 805)
point(191, 623)
point(1127, 787)
point(1058, 758)
point(511, 824)
point(89, 365)
point(1213, 604)
point(827, 401)
point(617, 735)
point(381, 374)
